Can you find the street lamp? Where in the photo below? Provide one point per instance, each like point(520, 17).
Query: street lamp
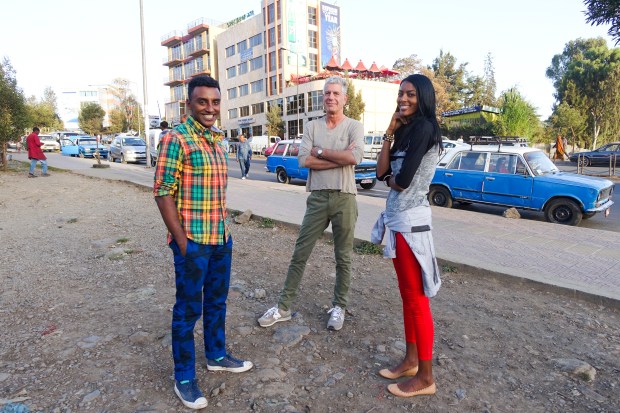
point(297, 92)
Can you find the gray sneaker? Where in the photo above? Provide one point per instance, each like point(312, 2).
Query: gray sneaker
point(274, 315)
point(336, 320)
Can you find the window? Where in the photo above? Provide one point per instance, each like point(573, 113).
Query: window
point(242, 46)
point(272, 61)
point(232, 113)
point(271, 37)
point(271, 11)
point(231, 72)
point(257, 86)
point(188, 47)
point(176, 52)
point(256, 40)
point(256, 63)
point(257, 130)
point(244, 90)
point(189, 69)
point(279, 149)
point(315, 100)
point(230, 51)
point(503, 163)
point(314, 62)
point(279, 34)
point(179, 92)
point(232, 93)
point(469, 161)
point(243, 68)
point(312, 15)
point(293, 131)
point(277, 102)
point(88, 93)
point(177, 72)
point(312, 42)
point(198, 40)
point(295, 104)
point(199, 65)
point(293, 149)
point(258, 108)
point(244, 111)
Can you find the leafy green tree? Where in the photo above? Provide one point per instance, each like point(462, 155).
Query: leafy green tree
point(568, 122)
point(408, 65)
point(355, 106)
point(490, 87)
point(605, 12)
point(453, 76)
point(518, 116)
point(585, 77)
point(13, 112)
point(91, 117)
point(275, 124)
point(43, 113)
point(131, 116)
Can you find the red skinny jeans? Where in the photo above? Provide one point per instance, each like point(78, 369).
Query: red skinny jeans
point(416, 306)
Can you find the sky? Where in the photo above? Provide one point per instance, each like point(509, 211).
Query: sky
point(70, 44)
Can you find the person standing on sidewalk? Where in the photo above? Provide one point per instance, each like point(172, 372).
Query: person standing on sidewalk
point(190, 192)
point(244, 155)
point(406, 163)
point(35, 154)
point(331, 147)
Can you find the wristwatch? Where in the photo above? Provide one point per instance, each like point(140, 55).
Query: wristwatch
point(319, 154)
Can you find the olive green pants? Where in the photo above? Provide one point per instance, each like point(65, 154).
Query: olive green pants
point(323, 207)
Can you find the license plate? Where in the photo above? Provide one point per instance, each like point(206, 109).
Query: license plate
point(607, 211)
point(369, 181)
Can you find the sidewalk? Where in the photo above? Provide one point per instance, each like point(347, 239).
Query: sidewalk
point(581, 261)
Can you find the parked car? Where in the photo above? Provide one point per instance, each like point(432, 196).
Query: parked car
point(599, 156)
point(283, 162)
point(270, 149)
point(519, 177)
point(449, 144)
point(49, 143)
point(82, 146)
point(127, 149)
point(372, 145)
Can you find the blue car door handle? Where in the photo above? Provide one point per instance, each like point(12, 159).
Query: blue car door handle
point(489, 178)
point(448, 174)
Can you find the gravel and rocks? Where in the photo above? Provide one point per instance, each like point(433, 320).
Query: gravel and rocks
point(87, 287)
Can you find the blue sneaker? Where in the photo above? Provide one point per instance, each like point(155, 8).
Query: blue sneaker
point(229, 363)
point(190, 394)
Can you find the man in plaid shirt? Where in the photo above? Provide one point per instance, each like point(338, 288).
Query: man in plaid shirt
point(190, 192)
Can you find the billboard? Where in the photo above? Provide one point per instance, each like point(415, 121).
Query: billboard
point(297, 36)
point(330, 33)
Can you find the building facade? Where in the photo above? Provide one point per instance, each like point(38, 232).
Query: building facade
point(276, 57)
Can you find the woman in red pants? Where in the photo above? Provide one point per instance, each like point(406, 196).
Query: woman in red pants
point(411, 148)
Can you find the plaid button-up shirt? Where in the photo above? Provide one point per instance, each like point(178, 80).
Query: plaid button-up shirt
point(192, 168)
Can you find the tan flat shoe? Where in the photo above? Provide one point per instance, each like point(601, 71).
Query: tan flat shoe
point(393, 376)
point(393, 388)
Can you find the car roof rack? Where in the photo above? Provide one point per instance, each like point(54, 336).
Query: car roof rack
point(494, 140)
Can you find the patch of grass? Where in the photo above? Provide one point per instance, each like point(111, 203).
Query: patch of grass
point(449, 269)
point(122, 240)
point(116, 257)
point(129, 251)
point(72, 221)
point(368, 248)
point(267, 223)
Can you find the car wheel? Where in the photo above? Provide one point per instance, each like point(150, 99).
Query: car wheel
point(440, 196)
point(123, 160)
point(370, 185)
point(587, 215)
point(81, 154)
point(282, 177)
point(585, 161)
point(563, 211)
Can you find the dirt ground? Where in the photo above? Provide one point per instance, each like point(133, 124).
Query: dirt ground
point(87, 287)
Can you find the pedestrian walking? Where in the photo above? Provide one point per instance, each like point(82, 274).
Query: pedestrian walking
point(244, 155)
point(331, 147)
point(190, 192)
point(35, 154)
point(406, 163)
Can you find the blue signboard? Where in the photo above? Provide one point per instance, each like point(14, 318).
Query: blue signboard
point(330, 33)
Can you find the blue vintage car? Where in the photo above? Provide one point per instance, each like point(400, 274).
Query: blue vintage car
point(283, 162)
point(82, 146)
point(519, 177)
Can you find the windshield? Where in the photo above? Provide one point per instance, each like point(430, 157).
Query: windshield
point(133, 142)
point(539, 163)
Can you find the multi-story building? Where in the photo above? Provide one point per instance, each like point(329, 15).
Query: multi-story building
point(70, 103)
point(276, 57)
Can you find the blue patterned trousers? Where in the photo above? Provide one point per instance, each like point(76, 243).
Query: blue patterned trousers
point(202, 281)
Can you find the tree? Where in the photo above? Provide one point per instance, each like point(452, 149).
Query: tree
point(604, 12)
point(354, 108)
point(275, 125)
point(408, 65)
point(568, 122)
point(518, 116)
point(43, 113)
point(127, 114)
point(453, 76)
point(585, 77)
point(490, 87)
point(13, 113)
point(91, 117)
